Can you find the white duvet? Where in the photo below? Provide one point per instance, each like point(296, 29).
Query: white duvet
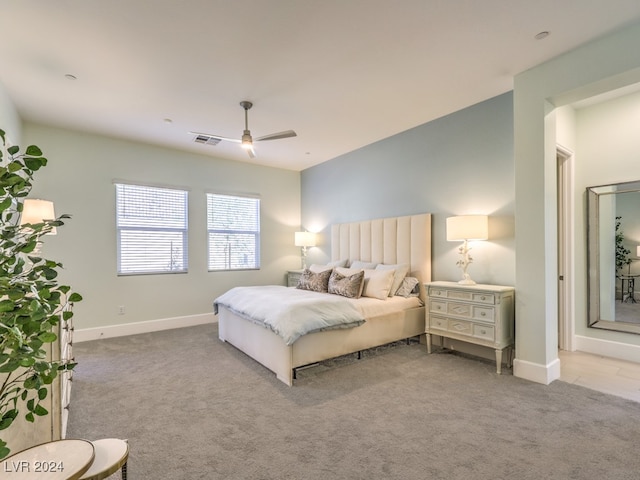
point(291, 312)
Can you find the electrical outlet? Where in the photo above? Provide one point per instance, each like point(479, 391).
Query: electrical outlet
point(121, 310)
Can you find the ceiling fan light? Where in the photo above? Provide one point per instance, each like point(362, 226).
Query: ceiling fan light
point(247, 141)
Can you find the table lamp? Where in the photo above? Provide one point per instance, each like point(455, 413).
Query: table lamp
point(464, 228)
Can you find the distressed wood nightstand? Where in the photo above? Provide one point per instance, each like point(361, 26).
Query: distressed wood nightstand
point(478, 314)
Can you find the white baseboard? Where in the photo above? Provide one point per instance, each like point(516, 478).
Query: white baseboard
point(608, 348)
point(536, 372)
point(86, 334)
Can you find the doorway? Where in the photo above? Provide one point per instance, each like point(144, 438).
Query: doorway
point(565, 214)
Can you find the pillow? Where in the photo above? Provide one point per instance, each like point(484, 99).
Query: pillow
point(316, 282)
point(364, 265)
point(400, 271)
point(409, 287)
point(347, 272)
point(338, 263)
point(315, 268)
point(377, 283)
point(347, 286)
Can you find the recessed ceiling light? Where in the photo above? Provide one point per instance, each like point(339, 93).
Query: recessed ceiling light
point(69, 76)
point(542, 35)
point(167, 120)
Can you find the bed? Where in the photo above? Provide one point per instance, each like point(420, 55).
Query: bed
point(402, 240)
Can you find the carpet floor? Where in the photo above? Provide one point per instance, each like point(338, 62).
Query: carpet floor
point(193, 407)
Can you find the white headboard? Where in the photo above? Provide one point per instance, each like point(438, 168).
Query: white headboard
point(386, 240)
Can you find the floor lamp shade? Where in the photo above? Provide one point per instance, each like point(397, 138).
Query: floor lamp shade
point(36, 211)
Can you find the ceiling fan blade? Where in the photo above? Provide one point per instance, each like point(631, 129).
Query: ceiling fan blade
point(235, 140)
point(251, 152)
point(276, 136)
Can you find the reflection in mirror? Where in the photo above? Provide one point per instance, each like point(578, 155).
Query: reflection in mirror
point(614, 251)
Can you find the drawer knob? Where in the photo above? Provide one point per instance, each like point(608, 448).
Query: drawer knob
point(483, 314)
point(483, 332)
point(483, 297)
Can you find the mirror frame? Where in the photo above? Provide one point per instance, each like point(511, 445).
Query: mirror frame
point(593, 256)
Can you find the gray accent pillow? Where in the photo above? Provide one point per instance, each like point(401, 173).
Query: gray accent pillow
point(408, 287)
point(350, 286)
point(316, 282)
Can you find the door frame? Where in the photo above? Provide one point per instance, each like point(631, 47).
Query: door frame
point(566, 254)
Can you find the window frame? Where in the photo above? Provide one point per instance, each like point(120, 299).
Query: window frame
point(147, 228)
point(231, 231)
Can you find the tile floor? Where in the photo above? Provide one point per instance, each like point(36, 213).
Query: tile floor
point(608, 375)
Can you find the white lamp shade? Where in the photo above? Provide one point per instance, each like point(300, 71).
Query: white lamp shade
point(638, 251)
point(305, 239)
point(467, 227)
point(35, 211)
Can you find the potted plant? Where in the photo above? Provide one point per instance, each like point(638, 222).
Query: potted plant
point(32, 303)
point(622, 253)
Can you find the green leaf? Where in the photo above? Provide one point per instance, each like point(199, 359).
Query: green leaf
point(75, 297)
point(13, 149)
point(7, 305)
point(42, 393)
point(47, 337)
point(33, 150)
point(29, 417)
point(40, 410)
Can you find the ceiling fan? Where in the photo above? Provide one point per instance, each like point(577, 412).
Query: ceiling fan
point(247, 140)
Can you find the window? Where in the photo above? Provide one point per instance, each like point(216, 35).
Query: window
point(233, 228)
point(151, 224)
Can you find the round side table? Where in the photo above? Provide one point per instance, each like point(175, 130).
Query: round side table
point(111, 454)
point(60, 459)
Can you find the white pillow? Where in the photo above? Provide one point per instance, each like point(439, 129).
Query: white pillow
point(363, 265)
point(377, 283)
point(400, 271)
point(315, 268)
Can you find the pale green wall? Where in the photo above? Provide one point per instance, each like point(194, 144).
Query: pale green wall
point(602, 65)
point(9, 119)
point(79, 180)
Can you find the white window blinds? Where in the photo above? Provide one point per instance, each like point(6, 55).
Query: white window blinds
point(233, 226)
point(152, 229)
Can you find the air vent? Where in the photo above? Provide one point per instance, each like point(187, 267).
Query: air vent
point(207, 140)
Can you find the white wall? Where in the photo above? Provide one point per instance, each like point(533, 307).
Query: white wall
point(79, 179)
point(605, 64)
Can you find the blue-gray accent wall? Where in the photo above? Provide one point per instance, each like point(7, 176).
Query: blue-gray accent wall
point(458, 164)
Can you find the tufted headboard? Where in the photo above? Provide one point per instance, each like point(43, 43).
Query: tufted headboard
point(386, 240)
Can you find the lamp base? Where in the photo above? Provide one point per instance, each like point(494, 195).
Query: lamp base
point(466, 280)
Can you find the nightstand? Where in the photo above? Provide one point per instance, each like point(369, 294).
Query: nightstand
point(293, 276)
point(478, 314)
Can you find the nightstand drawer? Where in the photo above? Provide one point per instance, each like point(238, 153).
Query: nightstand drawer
point(484, 332)
point(486, 314)
point(459, 309)
point(487, 298)
point(438, 322)
point(460, 326)
point(436, 306)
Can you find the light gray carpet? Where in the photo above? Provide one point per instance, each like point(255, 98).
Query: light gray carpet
point(193, 407)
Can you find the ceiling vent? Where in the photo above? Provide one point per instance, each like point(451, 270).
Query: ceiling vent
point(207, 140)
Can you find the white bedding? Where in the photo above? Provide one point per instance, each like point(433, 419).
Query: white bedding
point(372, 307)
point(290, 312)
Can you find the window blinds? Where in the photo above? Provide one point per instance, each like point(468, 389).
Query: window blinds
point(233, 226)
point(152, 229)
